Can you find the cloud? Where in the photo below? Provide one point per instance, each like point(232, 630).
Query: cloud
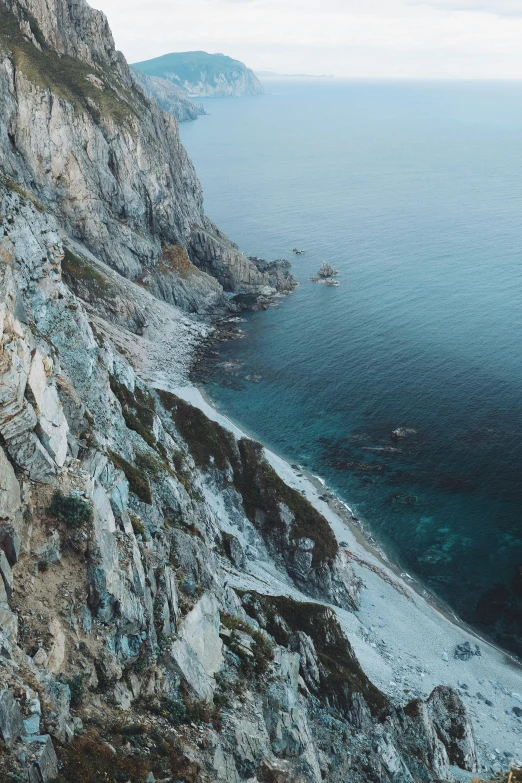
point(496, 7)
point(350, 38)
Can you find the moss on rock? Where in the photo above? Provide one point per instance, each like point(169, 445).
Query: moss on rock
point(261, 489)
point(341, 673)
point(138, 482)
point(66, 77)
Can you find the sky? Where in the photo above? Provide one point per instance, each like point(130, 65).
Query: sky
point(433, 39)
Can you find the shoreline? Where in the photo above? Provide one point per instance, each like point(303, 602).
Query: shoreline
point(404, 638)
point(364, 539)
point(228, 328)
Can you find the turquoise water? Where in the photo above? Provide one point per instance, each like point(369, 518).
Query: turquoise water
point(414, 193)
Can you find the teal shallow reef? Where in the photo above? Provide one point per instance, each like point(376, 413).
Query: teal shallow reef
point(414, 193)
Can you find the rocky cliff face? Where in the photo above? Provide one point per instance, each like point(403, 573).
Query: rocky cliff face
point(125, 513)
point(169, 97)
point(76, 129)
point(168, 605)
point(204, 75)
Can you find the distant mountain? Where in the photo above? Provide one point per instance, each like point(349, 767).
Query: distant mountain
point(169, 97)
point(204, 75)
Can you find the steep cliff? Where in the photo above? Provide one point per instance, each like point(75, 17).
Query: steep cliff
point(77, 130)
point(170, 608)
point(204, 75)
point(126, 517)
point(169, 97)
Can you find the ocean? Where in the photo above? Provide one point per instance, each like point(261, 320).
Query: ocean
point(413, 192)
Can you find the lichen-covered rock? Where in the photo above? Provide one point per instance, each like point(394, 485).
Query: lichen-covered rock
point(286, 720)
point(303, 645)
point(10, 510)
point(11, 723)
point(198, 652)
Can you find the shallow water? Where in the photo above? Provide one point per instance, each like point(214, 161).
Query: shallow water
point(414, 193)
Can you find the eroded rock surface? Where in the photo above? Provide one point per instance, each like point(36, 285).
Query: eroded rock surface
point(126, 515)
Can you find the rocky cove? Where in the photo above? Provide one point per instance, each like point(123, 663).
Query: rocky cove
point(176, 602)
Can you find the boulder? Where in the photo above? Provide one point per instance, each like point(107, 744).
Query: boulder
point(9, 622)
point(31, 456)
point(453, 727)
point(285, 719)
point(6, 575)
point(114, 593)
point(198, 652)
point(252, 744)
point(11, 722)
point(437, 735)
point(303, 645)
point(50, 552)
point(466, 651)
point(57, 652)
point(51, 418)
point(225, 767)
point(45, 767)
point(10, 511)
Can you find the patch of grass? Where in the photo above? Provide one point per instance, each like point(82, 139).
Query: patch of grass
point(187, 527)
point(90, 760)
point(76, 271)
point(263, 490)
point(175, 259)
point(150, 464)
point(209, 444)
point(341, 673)
point(262, 647)
point(183, 709)
point(70, 509)
point(138, 409)
point(10, 184)
point(137, 524)
point(138, 482)
point(65, 76)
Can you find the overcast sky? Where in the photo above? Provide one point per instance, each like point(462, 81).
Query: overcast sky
point(349, 38)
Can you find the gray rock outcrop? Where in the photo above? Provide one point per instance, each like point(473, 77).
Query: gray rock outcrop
point(82, 135)
point(169, 97)
point(135, 640)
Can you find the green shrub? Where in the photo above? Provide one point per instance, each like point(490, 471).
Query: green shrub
point(138, 409)
point(208, 442)
point(138, 483)
point(70, 509)
point(137, 524)
point(175, 711)
point(150, 464)
point(341, 672)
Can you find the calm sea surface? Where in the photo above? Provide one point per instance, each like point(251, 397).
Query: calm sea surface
point(414, 193)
